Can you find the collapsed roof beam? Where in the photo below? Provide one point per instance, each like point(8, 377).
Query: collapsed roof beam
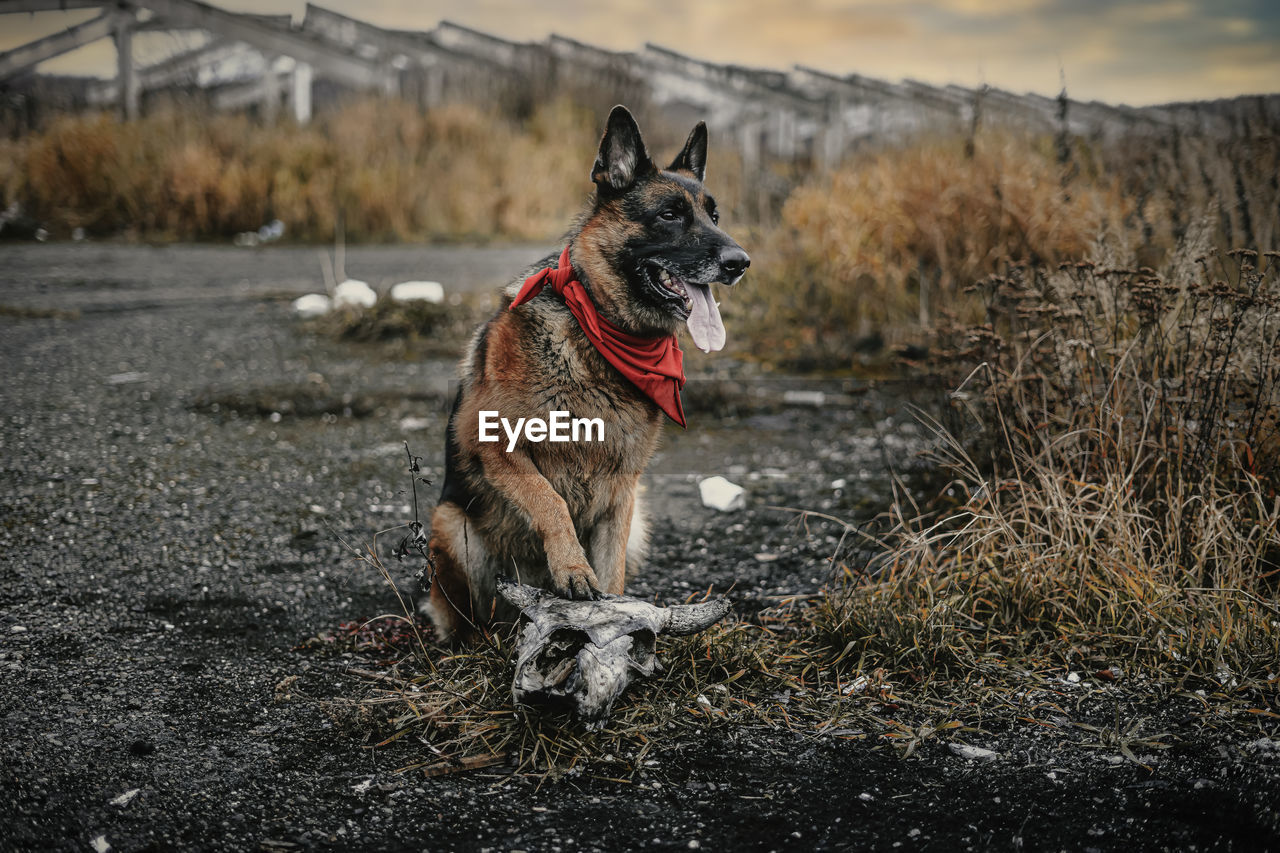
point(179, 68)
point(33, 53)
point(302, 47)
point(30, 6)
point(386, 45)
point(158, 24)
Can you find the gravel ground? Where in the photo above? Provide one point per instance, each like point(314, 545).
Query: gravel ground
point(185, 477)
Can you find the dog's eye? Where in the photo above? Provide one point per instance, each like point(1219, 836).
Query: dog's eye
point(715, 217)
point(670, 215)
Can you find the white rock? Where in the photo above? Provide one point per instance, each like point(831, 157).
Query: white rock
point(355, 292)
point(100, 844)
point(719, 493)
point(312, 305)
point(418, 291)
point(974, 753)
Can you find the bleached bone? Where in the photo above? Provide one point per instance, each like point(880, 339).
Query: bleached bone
point(581, 655)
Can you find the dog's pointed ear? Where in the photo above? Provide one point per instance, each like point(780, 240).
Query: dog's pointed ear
point(622, 158)
point(693, 158)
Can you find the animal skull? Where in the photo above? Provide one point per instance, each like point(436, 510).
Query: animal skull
point(581, 655)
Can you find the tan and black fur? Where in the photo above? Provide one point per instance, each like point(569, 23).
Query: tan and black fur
point(568, 516)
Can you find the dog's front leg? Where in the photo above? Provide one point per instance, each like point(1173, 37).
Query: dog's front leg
point(522, 483)
point(609, 539)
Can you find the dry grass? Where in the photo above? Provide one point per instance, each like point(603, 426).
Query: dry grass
point(896, 239)
point(875, 251)
point(895, 236)
point(1120, 502)
point(394, 172)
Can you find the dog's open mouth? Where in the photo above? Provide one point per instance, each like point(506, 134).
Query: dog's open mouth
point(690, 301)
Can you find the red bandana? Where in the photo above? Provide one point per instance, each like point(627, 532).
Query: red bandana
point(654, 365)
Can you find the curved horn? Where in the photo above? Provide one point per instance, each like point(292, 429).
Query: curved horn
point(518, 594)
point(692, 618)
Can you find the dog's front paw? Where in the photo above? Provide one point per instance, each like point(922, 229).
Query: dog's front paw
point(576, 582)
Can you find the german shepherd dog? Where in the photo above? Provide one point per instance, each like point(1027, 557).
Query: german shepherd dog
point(567, 516)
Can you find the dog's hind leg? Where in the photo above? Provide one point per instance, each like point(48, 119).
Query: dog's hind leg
point(452, 548)
point(638, 536)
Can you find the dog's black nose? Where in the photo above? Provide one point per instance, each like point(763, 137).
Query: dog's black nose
point(734, 262)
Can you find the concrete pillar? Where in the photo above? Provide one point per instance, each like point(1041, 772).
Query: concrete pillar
point(391, 83)
point(433, 89)
point(749, 145)
point(126, 77)
point(302, 93)
point(832, 135)
point(270, 82)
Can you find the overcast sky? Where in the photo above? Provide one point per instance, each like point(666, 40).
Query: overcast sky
point(1121, 51)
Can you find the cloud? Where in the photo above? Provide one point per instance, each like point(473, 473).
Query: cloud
point(991, 8)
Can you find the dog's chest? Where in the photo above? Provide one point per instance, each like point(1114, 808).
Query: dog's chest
point(619, 425)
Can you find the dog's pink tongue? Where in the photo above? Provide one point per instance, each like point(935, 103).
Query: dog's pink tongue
point(705, 326)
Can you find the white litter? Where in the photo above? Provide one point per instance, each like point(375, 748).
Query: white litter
point(126, 798)
point(719, 493)
point(800, 397)
point(354, 292)
point(858, 685)
point(414, 424)
point(271, 232)
point(128, 377)
point(311, 306)
point(974, 753)
point(100, 844)
point(418, 291)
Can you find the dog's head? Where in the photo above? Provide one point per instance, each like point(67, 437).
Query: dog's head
point(652, 247)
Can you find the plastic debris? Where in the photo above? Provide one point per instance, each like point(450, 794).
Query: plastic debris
point(126, 798)
point(718, 493)
point(974, 753)
point(801, 397)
